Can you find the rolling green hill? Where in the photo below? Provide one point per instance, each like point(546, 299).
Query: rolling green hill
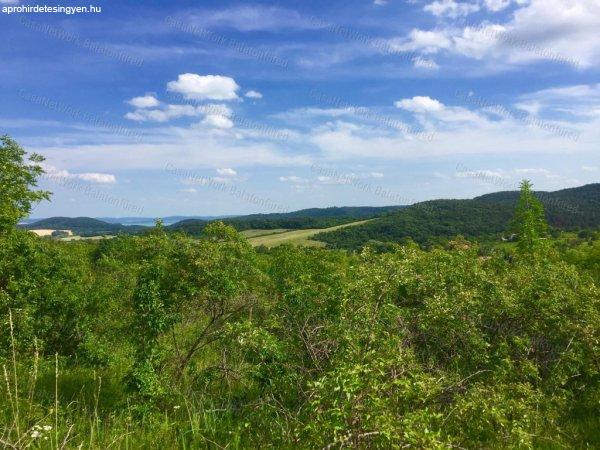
point(484, 216)
point(306, 219)
point(83, 226)
point(566, 209)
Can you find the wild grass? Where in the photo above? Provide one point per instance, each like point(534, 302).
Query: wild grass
point(50, 405)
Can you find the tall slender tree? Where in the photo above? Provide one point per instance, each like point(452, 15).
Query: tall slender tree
point(529, 221)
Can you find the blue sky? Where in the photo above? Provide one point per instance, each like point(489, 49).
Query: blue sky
point(222, 107)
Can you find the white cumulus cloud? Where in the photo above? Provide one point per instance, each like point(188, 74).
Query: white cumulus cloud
point(226, 171)
point(217, 121)
point(204, 87)
point(146, 101)
point(450, 8)
point(562, 31)
point(253, 94)
point(92, 177)
point(102, 178)
point(419, 104)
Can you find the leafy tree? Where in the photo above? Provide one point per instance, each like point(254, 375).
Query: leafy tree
point(529, 221)
point(18, 177)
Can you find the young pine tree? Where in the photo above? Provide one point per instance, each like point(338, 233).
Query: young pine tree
point(529, 221)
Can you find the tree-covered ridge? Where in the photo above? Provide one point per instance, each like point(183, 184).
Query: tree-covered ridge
point(485, 216)
point(84, 226)
point(566, 209)
point(296, 220)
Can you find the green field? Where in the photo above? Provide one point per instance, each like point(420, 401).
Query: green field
point(273, 238)
point(256, 233)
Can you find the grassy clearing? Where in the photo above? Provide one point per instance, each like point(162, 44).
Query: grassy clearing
point(296, 237)
point(256, 233)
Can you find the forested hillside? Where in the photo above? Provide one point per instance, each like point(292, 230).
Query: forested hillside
point(83, 226)
point(487, 216)
point(296, 220)
point(565, 209)
point(166, 341)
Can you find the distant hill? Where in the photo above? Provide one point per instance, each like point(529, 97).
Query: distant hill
point(83, 226)
point(487, 215)
point(303, 219)
point(149, 221)
point(296, 220)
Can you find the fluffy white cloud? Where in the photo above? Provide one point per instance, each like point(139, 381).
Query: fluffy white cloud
point(226, 171)
point(97, 177)
point(169, 112)
point(217, 121)
point(146, 101)
point(497, 5)
point(92, 177)
point(546, 29)
point(450, 8)
point(423, 41)
point(563, 31)
point(460, 130)
point(419, 104)
point(204, 87)
point(253, 94)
